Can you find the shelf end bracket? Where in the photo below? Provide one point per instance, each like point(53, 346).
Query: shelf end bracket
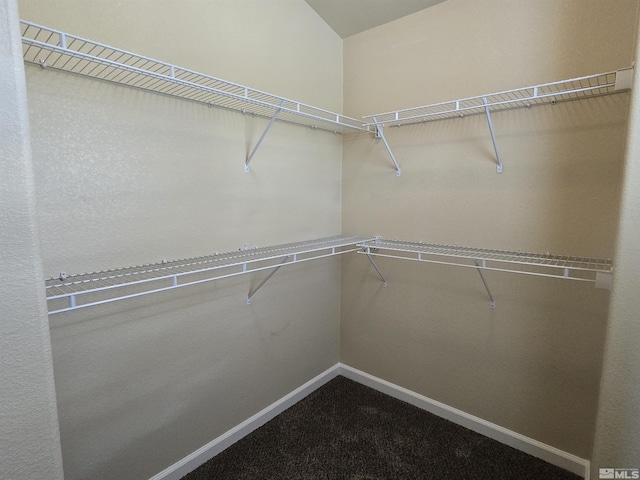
point(264, 134)
point(493, 135)
point(492, 302)
point(380, 134)
point(271, 274)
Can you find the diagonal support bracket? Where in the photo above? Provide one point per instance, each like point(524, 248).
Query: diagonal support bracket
point(492, 302)
point(384, 280)
point(264, 134)
point(493, 135)
point(253, 292)
point(380, 134)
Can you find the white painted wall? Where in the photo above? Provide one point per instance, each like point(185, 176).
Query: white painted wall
point(29, 436)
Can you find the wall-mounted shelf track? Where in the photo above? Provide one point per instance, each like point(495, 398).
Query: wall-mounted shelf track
point(547, 93)
point(585, 269)
point(73, 292)
point(59, 50)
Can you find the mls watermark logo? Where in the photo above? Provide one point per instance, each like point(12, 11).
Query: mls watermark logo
point(624, 473)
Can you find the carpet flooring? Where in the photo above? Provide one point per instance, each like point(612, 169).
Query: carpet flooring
point(345, 430)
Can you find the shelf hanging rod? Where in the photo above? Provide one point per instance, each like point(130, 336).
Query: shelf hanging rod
point(380, 134)
point(264, 134)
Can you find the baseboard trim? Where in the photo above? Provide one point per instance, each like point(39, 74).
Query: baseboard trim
point(211, 449)
point(525, 444)
point(528, 445)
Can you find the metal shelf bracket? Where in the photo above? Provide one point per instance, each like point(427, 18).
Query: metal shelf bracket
point(492, 302)
point(493, 135)
point(380, 134)
point(267, 278)
point(264, 134)
point(367, 251)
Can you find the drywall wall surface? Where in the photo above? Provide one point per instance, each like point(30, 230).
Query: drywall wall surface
point(125, 177)
point(533, 363)
point(30, 440)
point(617, 439)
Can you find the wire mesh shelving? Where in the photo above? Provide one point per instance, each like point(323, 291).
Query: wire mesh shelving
point(52, 48)
point(547, 93)
point(71, 292)
point(537, 264)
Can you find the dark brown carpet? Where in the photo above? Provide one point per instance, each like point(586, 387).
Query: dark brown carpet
point(345, 430)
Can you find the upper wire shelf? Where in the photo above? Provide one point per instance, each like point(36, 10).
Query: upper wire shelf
point(89, 289)
point(537, 264)
point(55, 49)
point(572, 89)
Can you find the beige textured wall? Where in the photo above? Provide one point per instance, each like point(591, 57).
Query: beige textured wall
point(533, 364)
point(617, 440)
point(125, 177)
point(30, 439)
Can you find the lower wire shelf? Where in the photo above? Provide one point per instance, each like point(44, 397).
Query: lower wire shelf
point(90, 289)
point(585, 269)
point(67, 293)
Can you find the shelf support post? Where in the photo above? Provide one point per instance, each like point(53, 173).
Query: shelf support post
point(492, 302)
point(368, 253)
point(253, 292)
point(493, 136)
point(264, 134)
point(380, 134)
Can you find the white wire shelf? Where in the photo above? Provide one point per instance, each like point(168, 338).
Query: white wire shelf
point(55, 49)
point(548, 93)
point(538, 264)
point(67, 293)
point(72, 292)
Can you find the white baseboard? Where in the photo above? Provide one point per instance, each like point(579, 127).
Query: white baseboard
point(211, 449)
point(528, 445)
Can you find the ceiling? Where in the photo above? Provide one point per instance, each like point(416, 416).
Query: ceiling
point(348, 17)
